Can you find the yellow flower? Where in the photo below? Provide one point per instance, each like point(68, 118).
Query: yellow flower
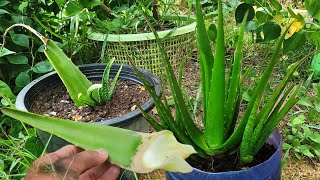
point(295, 27)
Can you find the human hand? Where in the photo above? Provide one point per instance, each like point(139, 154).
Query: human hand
point(70, 163)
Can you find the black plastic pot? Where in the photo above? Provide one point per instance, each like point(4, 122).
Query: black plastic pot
point(268, 170)
point(132, 120)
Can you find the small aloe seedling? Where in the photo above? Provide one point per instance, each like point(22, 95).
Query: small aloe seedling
point(135, 151)
point(81, 90)
point(102, 93)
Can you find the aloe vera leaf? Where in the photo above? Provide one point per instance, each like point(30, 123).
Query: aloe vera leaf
point(114, 82)
point(166, 116)
point(139, 152)
point(265, 111)
point(73, 79)
point(268, 108)
point(214, 127)
point(205, 57)
point(152, 121)
point(195, 134)
point(238, 105)
point(246, 143)
point(276, 118)
point(104, 90)
point(236, 136)
point(232, 95)
point(259, 128)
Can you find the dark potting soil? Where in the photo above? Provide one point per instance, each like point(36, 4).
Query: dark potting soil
point(231, 162)
point(57, 103)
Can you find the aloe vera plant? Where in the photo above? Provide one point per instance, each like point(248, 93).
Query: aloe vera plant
point(224, 131)
point(78, 86)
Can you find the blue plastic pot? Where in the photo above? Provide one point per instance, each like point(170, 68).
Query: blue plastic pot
point(268, 170)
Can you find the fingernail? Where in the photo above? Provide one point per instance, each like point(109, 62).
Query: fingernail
point(102, 152)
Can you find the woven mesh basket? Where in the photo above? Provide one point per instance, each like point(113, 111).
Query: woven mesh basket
point(143, 51)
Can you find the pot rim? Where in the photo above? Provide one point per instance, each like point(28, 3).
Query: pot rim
point(122, 120)
point(142, 36)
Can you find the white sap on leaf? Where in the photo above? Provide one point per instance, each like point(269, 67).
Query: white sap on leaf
point(162, 151)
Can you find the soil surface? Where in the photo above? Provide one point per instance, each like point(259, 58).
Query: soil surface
point(127, 97)
point(229, 163)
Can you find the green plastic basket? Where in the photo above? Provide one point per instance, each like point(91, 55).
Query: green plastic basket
point(143, 51)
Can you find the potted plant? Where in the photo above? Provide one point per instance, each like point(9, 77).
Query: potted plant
point(122, 28)
point(227, 137)
point(43, 94)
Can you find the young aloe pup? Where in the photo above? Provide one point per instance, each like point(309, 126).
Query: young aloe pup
point(139, 152)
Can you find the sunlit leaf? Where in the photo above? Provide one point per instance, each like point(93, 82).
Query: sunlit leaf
point(42, 67)
point(5, 52)
point(6, 91)
point(298, 120)
point(315, 137)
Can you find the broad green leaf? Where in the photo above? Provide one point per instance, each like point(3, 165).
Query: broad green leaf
point(312, 114)
point(317, 105)
point(249, 1)
point(34, 146)
point(305, 150)
point(6, 91)
point(252, 26)
point(3, 2)
point(2, 11)
point(5, 52)
point(298, 120)
point(271, 31)
point(313, 7)
point(17, 59)
point(212, 32)
point(20, 39)
point(315, 137)
point(72, 8)
point(294, 42)
point(246, 96)
point(23, 6)
point(42, 67)
point(286, 146)
point(314, 38)
point(315, 65)
point(22, 80)
point(241, 10)
point(89, 3)
point(276, 5)
point(22, 19)
point(305, 102)
point(263, 17)
point(60, 2)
